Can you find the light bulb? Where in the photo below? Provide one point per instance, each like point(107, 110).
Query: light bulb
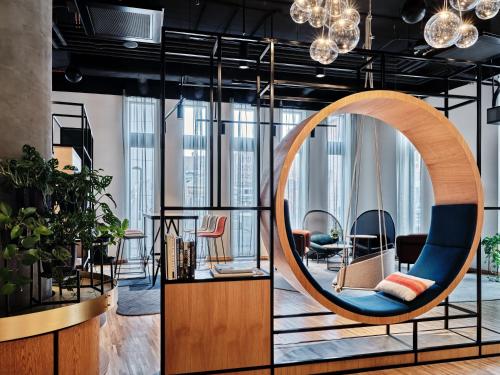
point(463, 5)
point(323, 50)
point(352, 15)
point(487, 9)
point(298, 14)
point(442, 29)
point(318, 16)
point(468, 35)
point(335, 7)
point(305, 4)
point(345, 34)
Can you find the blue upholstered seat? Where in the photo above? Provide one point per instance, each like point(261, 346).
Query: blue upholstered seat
point(448, 245)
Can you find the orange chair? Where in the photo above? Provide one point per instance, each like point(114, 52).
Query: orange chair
point(218, 232)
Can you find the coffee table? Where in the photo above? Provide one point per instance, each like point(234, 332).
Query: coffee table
point(336, 248)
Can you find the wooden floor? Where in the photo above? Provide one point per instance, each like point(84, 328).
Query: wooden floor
point(133, 343)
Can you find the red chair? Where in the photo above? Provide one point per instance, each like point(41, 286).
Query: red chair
point(218, 232)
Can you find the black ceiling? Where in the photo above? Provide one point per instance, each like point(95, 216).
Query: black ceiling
point(109, 67)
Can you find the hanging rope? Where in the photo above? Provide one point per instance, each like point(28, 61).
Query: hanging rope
point(368, 45)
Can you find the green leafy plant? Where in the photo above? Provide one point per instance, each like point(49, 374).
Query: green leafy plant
point(24, 236)
point(491, 247)
point(77, 208)
point(335, 233)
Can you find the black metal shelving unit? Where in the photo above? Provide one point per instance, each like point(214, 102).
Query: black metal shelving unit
point(80, 138)
point(272, 61)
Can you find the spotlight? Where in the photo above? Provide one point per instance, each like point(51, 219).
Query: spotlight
point(180, 109)
point(243, 56)
point(320, 72)
point(130, 44)
point(73, 74)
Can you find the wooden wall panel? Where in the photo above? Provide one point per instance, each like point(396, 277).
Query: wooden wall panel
point(79, 349)
point(345, 365)
point(490, 349)
point(30, 356)
point(217, 325)
point(441, 355)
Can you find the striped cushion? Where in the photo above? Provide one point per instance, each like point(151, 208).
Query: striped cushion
point(402, 286)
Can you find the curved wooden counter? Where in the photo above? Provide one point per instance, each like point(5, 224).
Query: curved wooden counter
point(57, 340)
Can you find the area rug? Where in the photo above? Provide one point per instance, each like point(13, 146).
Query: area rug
point(137, 297)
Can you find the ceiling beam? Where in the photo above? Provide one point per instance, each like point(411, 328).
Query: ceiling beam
point(262, 21)
point(200, 15)
point(230, 20)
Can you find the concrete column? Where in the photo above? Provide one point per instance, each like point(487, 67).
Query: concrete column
point(25, 76)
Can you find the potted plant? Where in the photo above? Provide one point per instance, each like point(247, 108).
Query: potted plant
point(492, 251)
point(67, 208)
point(335, 234)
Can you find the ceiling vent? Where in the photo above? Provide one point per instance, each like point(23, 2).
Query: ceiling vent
point(486, 47)
point(125, 23)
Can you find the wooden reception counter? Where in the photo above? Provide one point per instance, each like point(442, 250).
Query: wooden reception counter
point(57, 339)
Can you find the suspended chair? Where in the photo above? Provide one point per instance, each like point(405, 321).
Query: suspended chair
point(456, 220)
point(321, 224)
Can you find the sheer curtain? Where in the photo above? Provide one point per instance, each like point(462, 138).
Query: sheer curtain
point(243, 182)
point(297, 188)
point(195, 158)
point(140, 134)
point(409, 187)
point(339, 151)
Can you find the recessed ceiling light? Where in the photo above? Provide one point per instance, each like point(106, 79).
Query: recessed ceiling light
point(130, 44)
point(320, 72)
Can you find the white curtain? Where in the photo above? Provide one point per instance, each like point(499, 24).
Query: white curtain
point(196, 158)
point(409, 187)
point(140, 135)
point(297, 188)
point(243, 179)
point(339, 150)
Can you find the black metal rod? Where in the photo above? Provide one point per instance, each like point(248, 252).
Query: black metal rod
point(163, 341)
point(258, 160)
point(219, 124)
point(479, 161)
point(211, 133)
point(271, 197)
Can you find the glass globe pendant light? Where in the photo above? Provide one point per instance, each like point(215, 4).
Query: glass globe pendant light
point(463, 5)
point(318, 16)
point(300, 15)
point(468, 35)
point(306, 4)
point(345, 34)
point(352, 15)
point(323, 50)
point(442, 29)
point(486, 9)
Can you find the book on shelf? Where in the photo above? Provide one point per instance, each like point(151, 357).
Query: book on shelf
point(181, 258)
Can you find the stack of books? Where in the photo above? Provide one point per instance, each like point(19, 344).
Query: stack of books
point(235, 270)
point(181, 258)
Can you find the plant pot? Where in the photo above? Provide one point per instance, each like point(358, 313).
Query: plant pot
point(68, 266)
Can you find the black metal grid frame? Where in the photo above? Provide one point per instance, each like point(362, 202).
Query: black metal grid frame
point(87, 138)
point(269, 56)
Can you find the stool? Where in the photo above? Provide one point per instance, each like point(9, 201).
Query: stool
point(131, 234)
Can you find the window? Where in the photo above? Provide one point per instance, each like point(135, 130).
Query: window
point(195, 158)
point(409, 187)
point(339, 164)
point(140, 130)
point(243, 180)
point(297, 186)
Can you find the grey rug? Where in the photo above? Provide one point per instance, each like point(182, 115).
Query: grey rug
point(137, 297)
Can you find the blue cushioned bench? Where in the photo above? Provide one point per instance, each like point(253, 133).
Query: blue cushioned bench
point(447, 247)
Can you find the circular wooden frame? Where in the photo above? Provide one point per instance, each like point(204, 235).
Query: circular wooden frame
point(451, 165)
